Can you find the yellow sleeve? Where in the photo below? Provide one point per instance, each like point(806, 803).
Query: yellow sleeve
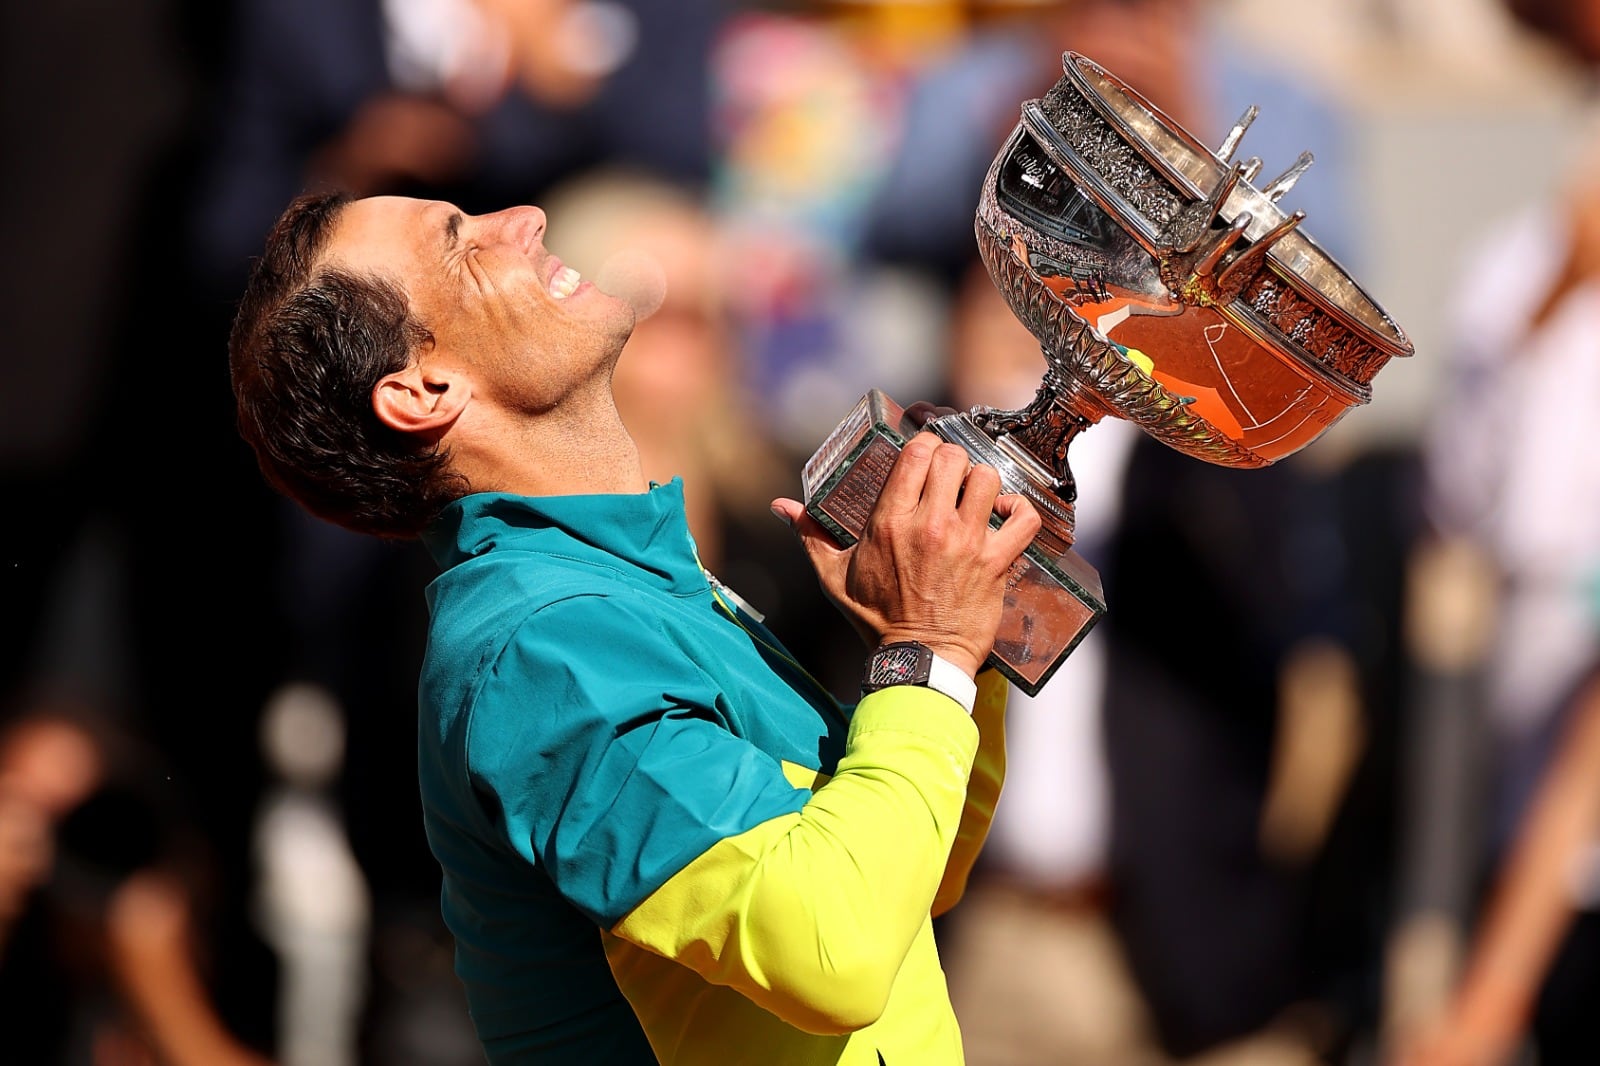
point(983, 788)
point(812, 914)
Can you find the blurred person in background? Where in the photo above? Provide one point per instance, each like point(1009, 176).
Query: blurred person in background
point(805, 101)
point(86, 115)
point(1530, 971)
point(100, 98)
point(610, 743)
point(960, 101)
point(479, 100)
point(1513, 492)
point(102, 899)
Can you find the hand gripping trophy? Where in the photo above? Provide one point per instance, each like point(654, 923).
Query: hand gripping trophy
point(1164, 288)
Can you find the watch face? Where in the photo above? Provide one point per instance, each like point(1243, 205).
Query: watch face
point(898, 666)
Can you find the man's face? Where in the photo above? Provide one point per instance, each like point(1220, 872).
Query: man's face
point(496, 300)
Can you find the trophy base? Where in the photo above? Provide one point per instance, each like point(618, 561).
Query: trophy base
point(1053, 596)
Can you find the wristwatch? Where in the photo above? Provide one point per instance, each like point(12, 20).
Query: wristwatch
point(910, 663)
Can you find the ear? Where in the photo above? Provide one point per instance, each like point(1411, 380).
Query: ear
point(422, 398)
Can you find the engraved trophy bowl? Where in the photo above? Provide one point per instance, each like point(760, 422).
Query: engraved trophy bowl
point(1164, 288)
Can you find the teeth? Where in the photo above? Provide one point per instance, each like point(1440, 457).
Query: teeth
point(565, 283)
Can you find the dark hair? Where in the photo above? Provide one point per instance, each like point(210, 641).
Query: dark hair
point(308, 346)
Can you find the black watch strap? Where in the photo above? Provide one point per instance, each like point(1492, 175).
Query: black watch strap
point(910, 663)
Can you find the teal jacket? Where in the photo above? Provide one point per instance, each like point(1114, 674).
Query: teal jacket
point(660, 838)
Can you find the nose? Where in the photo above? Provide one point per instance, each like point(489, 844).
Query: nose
point(525, 225)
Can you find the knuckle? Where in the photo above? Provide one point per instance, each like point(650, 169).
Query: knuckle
point(935, 528)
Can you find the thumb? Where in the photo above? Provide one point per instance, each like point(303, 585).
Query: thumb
point(818, 542)
point(788, 511)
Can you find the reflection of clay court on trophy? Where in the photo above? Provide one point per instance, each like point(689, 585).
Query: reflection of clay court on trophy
point(1164, 288)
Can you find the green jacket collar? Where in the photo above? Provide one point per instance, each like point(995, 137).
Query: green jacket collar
point(644, 533)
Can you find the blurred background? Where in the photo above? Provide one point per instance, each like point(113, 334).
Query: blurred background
point(1323, 788)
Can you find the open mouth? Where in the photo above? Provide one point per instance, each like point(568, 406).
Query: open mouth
point(564, 283)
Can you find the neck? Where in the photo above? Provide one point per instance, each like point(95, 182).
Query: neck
point(562, 453)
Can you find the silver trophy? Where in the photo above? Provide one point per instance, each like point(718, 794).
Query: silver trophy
point(1164, 288)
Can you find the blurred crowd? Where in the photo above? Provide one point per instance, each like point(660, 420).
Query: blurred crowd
point(1323, 788)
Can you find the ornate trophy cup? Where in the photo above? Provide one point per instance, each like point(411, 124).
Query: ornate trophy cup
point(1164, 288)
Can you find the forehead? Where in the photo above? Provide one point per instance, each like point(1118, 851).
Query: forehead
point(398, 235)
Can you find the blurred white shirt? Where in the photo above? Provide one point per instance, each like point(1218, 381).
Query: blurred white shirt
point(1514, 462)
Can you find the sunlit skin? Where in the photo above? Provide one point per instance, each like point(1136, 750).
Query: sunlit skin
point(516, 378)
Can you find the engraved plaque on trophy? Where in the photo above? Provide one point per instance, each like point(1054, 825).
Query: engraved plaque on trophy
point(1164, 288)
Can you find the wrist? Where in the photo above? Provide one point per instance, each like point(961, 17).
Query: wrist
point(968, 659)
point(905, 662)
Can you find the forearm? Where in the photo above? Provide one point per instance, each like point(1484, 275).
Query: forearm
point(149, 940)
point(811, 915)
point(1534, 904)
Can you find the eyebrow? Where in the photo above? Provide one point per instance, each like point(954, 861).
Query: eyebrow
point(452, 229)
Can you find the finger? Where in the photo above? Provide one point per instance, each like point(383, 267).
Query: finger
point(902, 489)
point(979, 493)
point(815, 537)
point(1007, 504)
point(1019, 524)
point(947, 473)
point(787, 510)
point(922, 412)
